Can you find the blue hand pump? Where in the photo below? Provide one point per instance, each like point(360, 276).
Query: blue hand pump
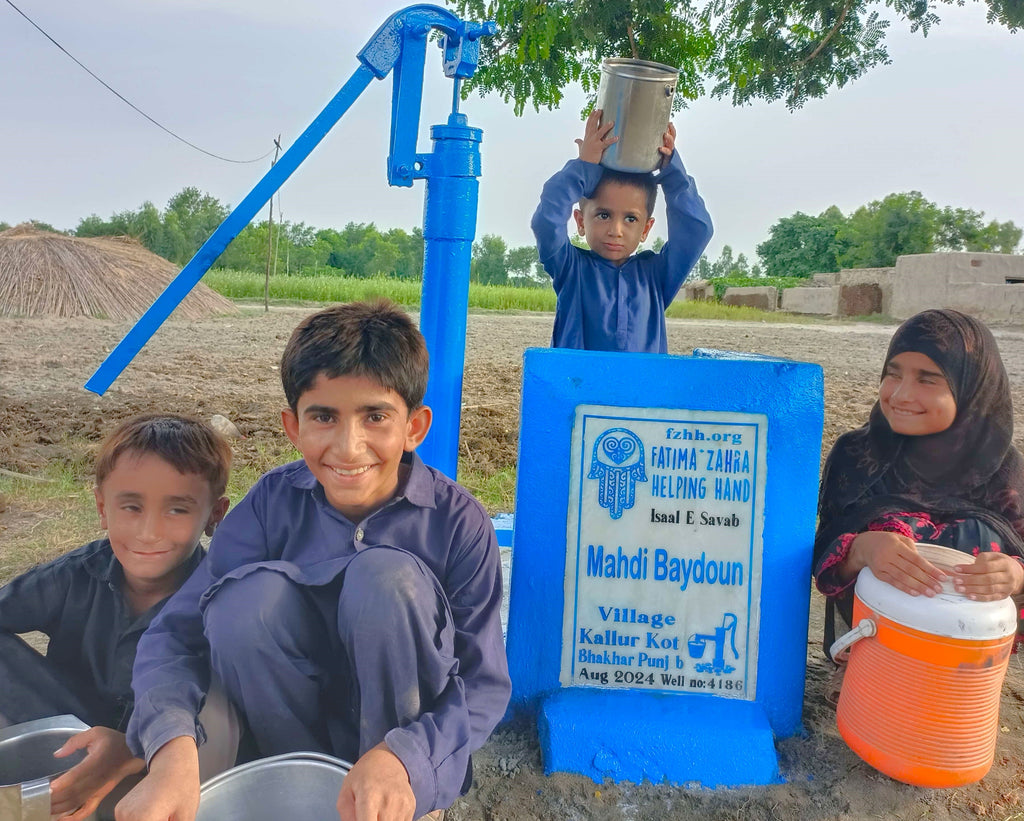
point(451, 170)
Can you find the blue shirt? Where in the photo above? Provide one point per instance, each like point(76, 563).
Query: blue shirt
point(77, 601)
point(602, 306)
point(286, 522)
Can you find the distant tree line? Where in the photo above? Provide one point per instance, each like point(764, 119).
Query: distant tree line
point(875, 234)
point(797, 246)
point(726, 266)
point(296, 249)
point(870, 237)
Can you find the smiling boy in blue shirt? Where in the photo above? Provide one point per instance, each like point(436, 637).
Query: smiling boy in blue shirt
point(609, 297)
point(350, 603)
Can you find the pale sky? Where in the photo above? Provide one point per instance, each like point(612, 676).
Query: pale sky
point(945, 118)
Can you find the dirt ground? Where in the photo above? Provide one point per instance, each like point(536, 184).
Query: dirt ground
point(229, 366)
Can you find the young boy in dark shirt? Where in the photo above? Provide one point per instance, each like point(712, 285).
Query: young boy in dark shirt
point(350, 602)
point(160, 483)
point(609, 297)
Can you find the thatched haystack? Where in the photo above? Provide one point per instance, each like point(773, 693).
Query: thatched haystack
point(45, 274)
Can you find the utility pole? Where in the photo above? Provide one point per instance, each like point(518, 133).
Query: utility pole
point(270, 234)
point(280, 225)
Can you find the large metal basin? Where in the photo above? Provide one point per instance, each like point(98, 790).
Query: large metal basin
point(27, 765)
point(290, 787)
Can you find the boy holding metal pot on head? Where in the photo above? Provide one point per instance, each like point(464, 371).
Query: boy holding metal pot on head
point(350, 602)
point(609, 297)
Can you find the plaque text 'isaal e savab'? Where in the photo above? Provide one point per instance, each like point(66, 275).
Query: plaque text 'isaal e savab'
point(663, 559)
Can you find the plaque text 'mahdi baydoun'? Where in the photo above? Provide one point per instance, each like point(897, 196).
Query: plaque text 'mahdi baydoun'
point(663, 562)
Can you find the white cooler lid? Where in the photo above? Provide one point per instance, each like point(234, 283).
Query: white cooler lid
point(945, 614)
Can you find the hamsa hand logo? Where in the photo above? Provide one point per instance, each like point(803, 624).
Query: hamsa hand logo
point(618, 463)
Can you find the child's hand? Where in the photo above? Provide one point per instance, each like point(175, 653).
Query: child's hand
point(171, 790)
point(595, 138)
point(894, 559)
point(77, 793)
point(993, 576)
point(668, 144)
point(377, 787)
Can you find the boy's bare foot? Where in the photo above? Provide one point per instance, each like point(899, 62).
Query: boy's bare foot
point(834, 685)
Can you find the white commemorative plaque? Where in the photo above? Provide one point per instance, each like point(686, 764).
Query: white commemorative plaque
point(663, 550)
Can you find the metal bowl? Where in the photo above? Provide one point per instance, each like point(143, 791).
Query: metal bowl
point(27, 764)
point(26, 750)
point(294, 786)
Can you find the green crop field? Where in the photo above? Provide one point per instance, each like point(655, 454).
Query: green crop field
point(245, 285)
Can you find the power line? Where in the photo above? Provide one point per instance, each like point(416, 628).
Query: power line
point(129, 102)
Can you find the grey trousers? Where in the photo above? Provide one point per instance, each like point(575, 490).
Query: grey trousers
point(332, 668)
point(31, 687)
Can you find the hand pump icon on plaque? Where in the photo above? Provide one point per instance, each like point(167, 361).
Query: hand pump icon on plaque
point(698, 642)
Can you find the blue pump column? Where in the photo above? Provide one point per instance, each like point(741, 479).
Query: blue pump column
point(449, 225)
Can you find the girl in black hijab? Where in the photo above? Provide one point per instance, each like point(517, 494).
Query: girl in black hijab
point(934, 463)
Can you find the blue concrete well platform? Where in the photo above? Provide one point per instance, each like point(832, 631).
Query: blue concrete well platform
point(665, 514)
point(697, 740)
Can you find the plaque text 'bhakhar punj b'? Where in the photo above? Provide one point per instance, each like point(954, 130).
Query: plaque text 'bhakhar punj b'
point(663, 550)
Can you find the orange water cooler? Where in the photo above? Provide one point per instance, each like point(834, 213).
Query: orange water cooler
point(920, 698)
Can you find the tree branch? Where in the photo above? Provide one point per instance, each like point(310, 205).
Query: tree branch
point(831, 33)
point(504, 44)
point(632, 40)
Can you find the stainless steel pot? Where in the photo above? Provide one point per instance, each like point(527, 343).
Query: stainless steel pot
point(27, 765)
point(637, 95)
point(294, 786)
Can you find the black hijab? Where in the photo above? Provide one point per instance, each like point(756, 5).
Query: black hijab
point(971, 469)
